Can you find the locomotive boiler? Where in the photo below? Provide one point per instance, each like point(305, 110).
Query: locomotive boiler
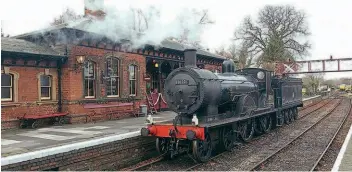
point(218, 110)
point(194, 91)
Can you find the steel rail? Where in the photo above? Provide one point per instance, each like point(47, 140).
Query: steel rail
point(333, 138)
point(297, 137)
point(144, 163)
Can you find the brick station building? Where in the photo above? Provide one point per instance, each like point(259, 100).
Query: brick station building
point(66, 68)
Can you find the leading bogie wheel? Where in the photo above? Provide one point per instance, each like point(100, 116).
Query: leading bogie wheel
point(161, 145)
point(202, 149)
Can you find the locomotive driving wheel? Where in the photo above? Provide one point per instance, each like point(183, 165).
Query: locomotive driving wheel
point(246, 128)
point(228, 138)
point(264, 124)
point(202, 149)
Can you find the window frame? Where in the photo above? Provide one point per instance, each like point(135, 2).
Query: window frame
point(50, 88)
point(135, 67)
point(11, 99)
point(86, 86)
point(117, 77)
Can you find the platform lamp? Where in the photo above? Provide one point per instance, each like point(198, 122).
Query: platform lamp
point(79, 62)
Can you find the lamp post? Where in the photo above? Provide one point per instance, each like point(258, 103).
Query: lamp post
point(159, 85)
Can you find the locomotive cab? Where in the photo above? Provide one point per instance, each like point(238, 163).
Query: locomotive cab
point(263, 78)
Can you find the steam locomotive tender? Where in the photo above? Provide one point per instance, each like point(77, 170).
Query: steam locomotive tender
point(215, 111)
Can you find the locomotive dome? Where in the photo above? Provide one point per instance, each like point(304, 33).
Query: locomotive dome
point(228, 66)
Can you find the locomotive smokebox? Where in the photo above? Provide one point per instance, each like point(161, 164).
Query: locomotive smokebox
point(190, 57)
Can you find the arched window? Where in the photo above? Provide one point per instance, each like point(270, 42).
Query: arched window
point(112, 77)
point(133, 79)
point(7, 87)
point(45, 87)
point(89, 79)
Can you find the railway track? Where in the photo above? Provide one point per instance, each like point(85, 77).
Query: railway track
point(315, 167)
point(248, 162)
point(150, 162)
point(294, 155)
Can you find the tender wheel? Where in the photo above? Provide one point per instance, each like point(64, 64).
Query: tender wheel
point(202, 149)
point(35, 124)
point(228, 138)
point(295, 113)
point(264, 124)
point(291, 115)
point(246, 129)
point(287, 117)
point(281, 118)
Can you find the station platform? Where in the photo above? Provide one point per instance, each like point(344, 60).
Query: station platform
point(72, 147)
point(344, 159)
point(21, 141)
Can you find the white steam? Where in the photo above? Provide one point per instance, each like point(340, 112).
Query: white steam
point(145, 26)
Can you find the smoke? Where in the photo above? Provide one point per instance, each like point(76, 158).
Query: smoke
point(149, 25)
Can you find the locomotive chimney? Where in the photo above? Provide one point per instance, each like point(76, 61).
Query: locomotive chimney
point(190, 57)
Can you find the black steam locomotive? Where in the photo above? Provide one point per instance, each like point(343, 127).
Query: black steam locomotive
point(219, 110)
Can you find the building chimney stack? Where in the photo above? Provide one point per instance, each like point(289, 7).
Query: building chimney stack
point(94, 8)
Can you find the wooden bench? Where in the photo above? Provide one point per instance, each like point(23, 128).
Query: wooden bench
point(37, 120)
point(135, 111)
point(111, 112)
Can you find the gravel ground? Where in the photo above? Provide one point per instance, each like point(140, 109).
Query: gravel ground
point(308, 110)
point(246, 155)
point(328, 160)
point(304, 152)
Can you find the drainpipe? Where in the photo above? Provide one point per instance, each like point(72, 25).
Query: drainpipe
point(59, 75)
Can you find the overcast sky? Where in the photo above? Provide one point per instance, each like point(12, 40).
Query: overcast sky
point(329, 20)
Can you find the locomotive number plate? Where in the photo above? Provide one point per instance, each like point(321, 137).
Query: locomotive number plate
point(182, 82)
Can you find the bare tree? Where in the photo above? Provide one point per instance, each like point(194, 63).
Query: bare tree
point(203, 19)
point(312, 82)
point(242, 57)
point(142, 18)
point(66, 16)
point(276, 35)
point(245, 58)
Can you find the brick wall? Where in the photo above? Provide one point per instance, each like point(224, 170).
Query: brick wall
point(73, 87)
point(26, 98)
point(73, 99)
point(212, 67)
point(108, 156)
